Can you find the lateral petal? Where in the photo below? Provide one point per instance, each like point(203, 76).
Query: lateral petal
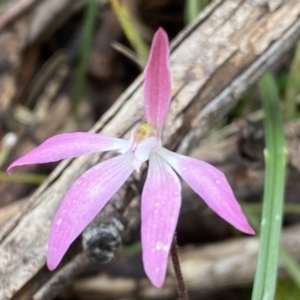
point(157, 82)
point(161, 201)
point(68, 145)
point(84, 200)
point(211, 185)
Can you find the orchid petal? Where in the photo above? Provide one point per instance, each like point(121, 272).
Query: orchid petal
point(69, 145)
point(87, 196)
point(157, 84)
point(161, 201)
point(211, 185)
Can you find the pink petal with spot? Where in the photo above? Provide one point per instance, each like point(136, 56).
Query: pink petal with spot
point(211, 185)
point(161, 201)
point(85, 199)
point(157, 84)
point(68, 145)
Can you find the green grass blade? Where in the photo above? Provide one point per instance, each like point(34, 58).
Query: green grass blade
point(293, 87)
point(289, 262)
point(275, 161)
point(287, 290)
point(3, 5)
point(87, 35)
point(291, 265)
point(256, 208)
point(193, 8)
point(130, 30)
point(23, 178)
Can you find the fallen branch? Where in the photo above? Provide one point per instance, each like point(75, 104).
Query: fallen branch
point(15, 10)
point(207, 268)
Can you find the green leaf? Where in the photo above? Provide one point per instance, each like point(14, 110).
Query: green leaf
point(193, 8)
point(275, 162)
point(87, 34)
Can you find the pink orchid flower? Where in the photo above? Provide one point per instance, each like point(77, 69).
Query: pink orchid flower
point(161, 196)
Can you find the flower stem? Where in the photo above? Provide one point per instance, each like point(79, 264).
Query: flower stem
point(181, 287)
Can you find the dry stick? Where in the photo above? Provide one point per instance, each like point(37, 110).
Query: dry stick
point(62, 278)
point(15, 10)
point(181, 286)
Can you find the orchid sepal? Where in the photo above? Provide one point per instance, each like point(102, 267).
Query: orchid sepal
point(159, 217)
point(157, 82)
point(69, 145)
point(97, 186)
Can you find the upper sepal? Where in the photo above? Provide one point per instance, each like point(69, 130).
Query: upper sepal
point(157, 81)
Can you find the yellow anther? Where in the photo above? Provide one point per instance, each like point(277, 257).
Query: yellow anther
point(144, 131)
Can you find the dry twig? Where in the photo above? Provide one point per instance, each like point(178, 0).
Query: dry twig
point(15, 10)
point(207, 268)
